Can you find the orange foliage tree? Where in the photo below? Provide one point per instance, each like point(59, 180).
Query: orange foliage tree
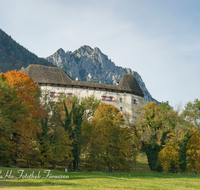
point(25, 130)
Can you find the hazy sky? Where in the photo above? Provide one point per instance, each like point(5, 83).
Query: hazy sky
point(160, 39)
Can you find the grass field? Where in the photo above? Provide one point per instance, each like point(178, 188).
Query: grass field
point(97, 180)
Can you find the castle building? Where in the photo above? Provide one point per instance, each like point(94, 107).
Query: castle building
point(125, 96)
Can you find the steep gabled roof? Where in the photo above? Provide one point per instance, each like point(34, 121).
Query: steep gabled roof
point(54, 75)
point(130, 84)
point(45, 74)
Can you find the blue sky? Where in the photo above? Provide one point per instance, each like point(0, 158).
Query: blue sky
point(160, 39)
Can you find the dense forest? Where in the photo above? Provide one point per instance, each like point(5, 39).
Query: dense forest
point(15, 56)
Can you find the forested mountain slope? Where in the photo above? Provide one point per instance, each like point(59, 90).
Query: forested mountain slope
point(15, 56)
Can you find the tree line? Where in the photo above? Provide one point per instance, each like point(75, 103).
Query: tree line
point(85, 134)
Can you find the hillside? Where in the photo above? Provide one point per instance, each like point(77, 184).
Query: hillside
point(92, 65)
point(15, 56)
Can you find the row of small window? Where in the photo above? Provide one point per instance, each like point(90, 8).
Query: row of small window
point(60, 94)
point(108, 98)
point(112, 99)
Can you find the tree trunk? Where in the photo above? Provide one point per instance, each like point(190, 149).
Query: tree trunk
point(152, 156)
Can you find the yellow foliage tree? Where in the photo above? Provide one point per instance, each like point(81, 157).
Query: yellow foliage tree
point(169, 156)
point(110, 144)
point(152, 128)
point(60, 146)
point(193, 153)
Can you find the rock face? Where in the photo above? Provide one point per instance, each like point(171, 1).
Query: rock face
point(92, 65)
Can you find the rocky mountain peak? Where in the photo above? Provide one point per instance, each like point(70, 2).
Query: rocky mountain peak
point(92, 65)
point(97, 50)
point(60, 51)
point(83, 51)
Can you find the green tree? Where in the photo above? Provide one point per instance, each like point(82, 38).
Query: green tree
point(44, 142)
point(190, 125)
point(89, 104)
point(72, 114)
point(192, 113)
point(25, 130)
point(60, 145)
point(71, 118)
point(152, 127)
point(53, 142)
point(11, 111)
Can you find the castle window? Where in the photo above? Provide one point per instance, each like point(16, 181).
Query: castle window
point(134, 101)
point(108, 98)
point(120, 108)
point(70, 94)
point(120, 100)
point(52, 94)
point(103, 98)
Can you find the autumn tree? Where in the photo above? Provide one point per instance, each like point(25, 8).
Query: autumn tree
point(71, 114)
point(60, 146)
point(193, 152)
point(169, 155)
point(189, 127)
point(25, 130)
point(186, 132)
point(11, 111)
point(153, 126)
point(109, 142)
point(53, 142)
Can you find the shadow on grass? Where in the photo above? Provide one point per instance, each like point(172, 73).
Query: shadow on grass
point(142, 167)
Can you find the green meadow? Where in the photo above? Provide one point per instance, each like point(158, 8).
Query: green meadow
point(100, 180)
point(54, 179)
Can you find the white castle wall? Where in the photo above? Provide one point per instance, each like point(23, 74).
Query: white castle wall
point(125, 105)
